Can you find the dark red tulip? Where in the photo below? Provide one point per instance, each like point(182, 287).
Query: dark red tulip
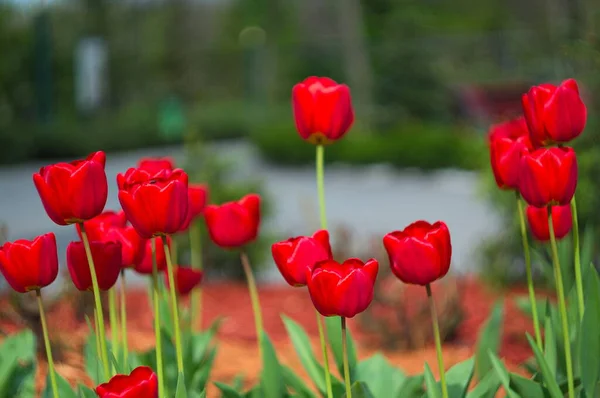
point(156, 165)
point(555, 114)
point(295, 255)
point(421, 253)
point(73, 192)
point(97, 227)
point(144, 263)
point(197, 198)
point(158, 206)
point(342, 289)
point(508, 142)
point(322, 109)
point(141, 383)
point(562, 221)
point(107, 261)
point(548, 176)
point(234, 224)
point(186, 279)
point(29, 265)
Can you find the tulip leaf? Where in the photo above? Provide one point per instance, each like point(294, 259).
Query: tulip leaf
point(63, 386)
point(85, 392)
point(227, 391)
point(503, 375)
point(181, 391)
point(459, 377)
point(487, 386)
point(547, 375)
point(550, 353)
point(412, 387)
point(360, 390)
point(433, 388)
point(524, 304)
point(333, 325)
point(381, 377)
point(295, 383)
point(92, 356)
point(271, 379)
point(489, 340)
point(17, 365)
point(590, 341)
point(527, 387)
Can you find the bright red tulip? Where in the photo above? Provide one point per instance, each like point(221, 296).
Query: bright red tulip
point(158, 206)
point(107, 261)
point(555, 114)
point(186, 279)
point(141, 383)
point(508, 142)
point(133, 177)
point(562, 221)
point(197, 198)
point(295, 255)
point(155, 165)
point(144, 262)
point(73, 192)
point(132, 244)
point(322, 110)
point(29, 265)
point(97, 227)
point(342, 289)
point(548, 176)
point(234, 224)
point(421, 253)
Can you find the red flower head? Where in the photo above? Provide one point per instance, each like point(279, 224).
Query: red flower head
point(562, 221)
point(421, 253)
point(97, 227)
point(185, 279)
point(73, 192)
point(133, 177)
point(322, 110)
point(156, 165)
point(508, 142)
point(548, 176)
point(555, 114)
point(157, 206)
point(141, 383)
point(234, 224)
point(197, 198)
point(107, 261)
point(295, 255)
point(132, 244)
point(342, 289)
point(29, 265)
point(144, 263)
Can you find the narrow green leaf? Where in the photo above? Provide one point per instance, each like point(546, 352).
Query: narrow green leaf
point(296, 384)
point(271, 378)
point(412, 387)
point(527, 387)
point(433, 389)
point(85, 392)
point(524, 305)
point(550, 341)
point(590, 341)
point(381, 377)
point(489, 340)
point(333, 326)
point(227, 391)
point(64, 388)
point(181, 391)
point(487, 386)
point(549, 379)
point(503, 375)
point(459, 377)
point(360, 390)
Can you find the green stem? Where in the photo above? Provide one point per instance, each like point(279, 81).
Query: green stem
point(253, 299)
point(345, 353)
point(578, 278)
point(114, 323)
point(174, 308)
point(325, 356)
point(532, 300)
point(98, 349)
point(438, 341)
point(124, 319)
point(561, 305)
point(157, 331)
point(100, 326)
point(196, 299)
point(51, 370)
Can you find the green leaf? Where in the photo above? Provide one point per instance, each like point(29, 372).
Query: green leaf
point(549, 379)
point(334, 336)
point(524, 304)
point(92, 359)
point(487, 386)
point(412, 387)
point(360, 390)
point(590, 328)
point(271, 378)
point(503, 375)
point(227, 391)
point(459, 377)
point(489, 340)
point(526, 387)
point(85, 392)
point(63, 386)
point(550, 341)
point(433, 389)
point(17, 365)
point(295, 383)
point(381, 377)
point(181, 391)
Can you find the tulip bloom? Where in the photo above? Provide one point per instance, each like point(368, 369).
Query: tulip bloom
point(143, 265)
point(158, 206)
point(562, 222)
point(295, 255)
point(107, 260)
point(548, 176)
point(421, 253)
point(509, 141)
point(73, 192)
point(156, 165)
point(322, 110)
point(197, 198)
point(97, 227)
point(185, 279)
point(554, 114)
point(342, 289)
point(132, 244)
point(141, 383)
point(234, 224)
point(29, 265)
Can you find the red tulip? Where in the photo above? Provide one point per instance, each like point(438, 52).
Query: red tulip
point(508, 142)
point(421, 253)
point(97, 227)
point(322, 110)
point(548, 176)
point(342, 289)
point(133, 177)
point(562, 221)
point(555, 114)
point(155, 165)
point(73, 192)
point(132, 244)
point(107, 261)
point(141, 383)
point(158, 206)
point(29, 265)
point(234, 224)
point(185, 279)
point(144, 262)
point(295, 255)
point(197, 198)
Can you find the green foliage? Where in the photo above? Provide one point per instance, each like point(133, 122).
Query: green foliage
point(18, 365)
point(489, 341)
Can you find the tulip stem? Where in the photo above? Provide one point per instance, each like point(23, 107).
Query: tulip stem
point(438, 341)
point(345, 352)
point(532, 300)
point(51, 370)
point(325, 356)
point(578, 278)
point(157, 331)
point(174, 308)
point(196, 252)
point(124, 319)
point(321, 185)
point(98, 301)
point(253, 299)
point(114, 323)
